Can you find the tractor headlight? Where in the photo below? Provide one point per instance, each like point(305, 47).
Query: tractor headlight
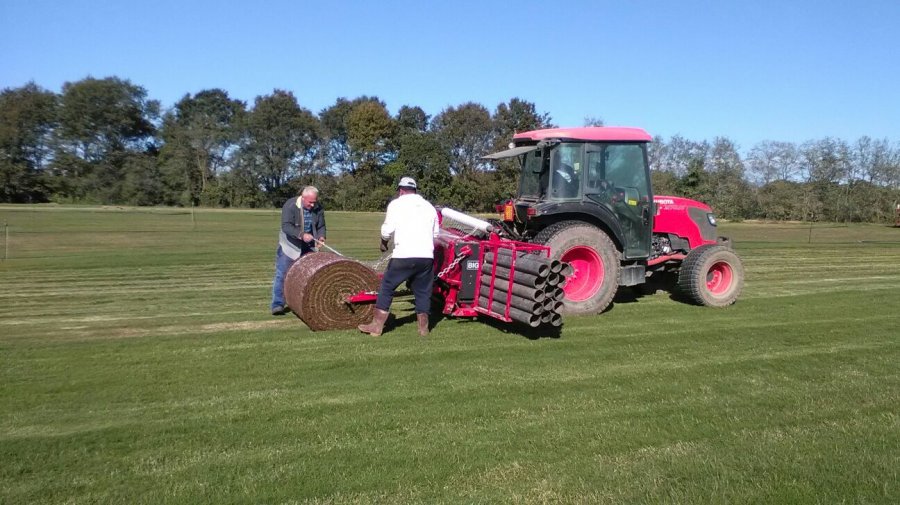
point(711, 218)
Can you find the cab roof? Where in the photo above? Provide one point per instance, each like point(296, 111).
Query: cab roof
point(588, 133)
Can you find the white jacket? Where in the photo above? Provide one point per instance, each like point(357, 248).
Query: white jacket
point(414, 224)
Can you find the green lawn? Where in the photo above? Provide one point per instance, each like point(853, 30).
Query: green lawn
point(138, 364)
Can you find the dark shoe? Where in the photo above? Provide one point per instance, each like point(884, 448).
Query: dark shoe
point(278, 310)
point(422, 322)
point(377, 325)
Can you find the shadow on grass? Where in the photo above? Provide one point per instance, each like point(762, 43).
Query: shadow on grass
point(543, 331)
point(666, 283)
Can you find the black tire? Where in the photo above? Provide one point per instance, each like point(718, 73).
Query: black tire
point(711, 275)
point(572, 241)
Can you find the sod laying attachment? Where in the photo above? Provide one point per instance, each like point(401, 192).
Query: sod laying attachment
point(529, 287)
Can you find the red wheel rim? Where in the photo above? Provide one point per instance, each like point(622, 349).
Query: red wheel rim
point(719, 278)
point(587, 276)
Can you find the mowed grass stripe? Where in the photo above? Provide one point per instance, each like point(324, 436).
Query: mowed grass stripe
point(196, 395)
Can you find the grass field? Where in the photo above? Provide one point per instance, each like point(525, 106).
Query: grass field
point(138, 364)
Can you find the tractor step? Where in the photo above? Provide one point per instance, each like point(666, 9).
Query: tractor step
point(632, 275)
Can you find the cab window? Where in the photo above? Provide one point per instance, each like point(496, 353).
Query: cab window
point(566, 171)
point(621, 166)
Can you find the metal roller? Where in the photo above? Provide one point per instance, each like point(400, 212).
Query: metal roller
point(523, 263)
point(515, 314)
point(551, 305)
point(518, 302)
point(524, 278)
point(554, 279)
point(536, 294)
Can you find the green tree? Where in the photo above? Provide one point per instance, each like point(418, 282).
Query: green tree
point(677, 155)
point(695, 184)
point(780, 200)
point(102, 121)
point(729, 194)
point(371, 133)
point(279, 143)
point(412, 118)
point(663, 183)
point(770, 161)
point(467, 133)
point(517, 116)
point(827, 164)
point(421, 156)
point(335, 127)
point(143, 181)
point(510, 118)
point(199, 134)
point(28, 116)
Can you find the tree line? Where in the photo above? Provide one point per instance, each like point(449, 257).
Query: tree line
point(105, 141)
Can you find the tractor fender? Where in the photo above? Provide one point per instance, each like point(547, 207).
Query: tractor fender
point(598, 215)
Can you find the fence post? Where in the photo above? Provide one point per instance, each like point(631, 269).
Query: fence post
point(193, 221)
point(5, 241)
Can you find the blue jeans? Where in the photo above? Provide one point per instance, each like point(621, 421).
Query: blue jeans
point(420, 273)
point(283, 263)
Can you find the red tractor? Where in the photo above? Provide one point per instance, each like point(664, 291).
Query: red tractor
point(585, 193)
point(584, 223)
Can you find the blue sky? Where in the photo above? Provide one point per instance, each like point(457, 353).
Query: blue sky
point(751, 71)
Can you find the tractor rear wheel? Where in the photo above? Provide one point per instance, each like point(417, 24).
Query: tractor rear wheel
point(594, 260)
point(711, 275)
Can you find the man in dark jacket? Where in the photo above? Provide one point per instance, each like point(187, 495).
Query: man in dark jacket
point(302, 224)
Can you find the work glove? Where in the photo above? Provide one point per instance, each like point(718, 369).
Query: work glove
point(384, 245)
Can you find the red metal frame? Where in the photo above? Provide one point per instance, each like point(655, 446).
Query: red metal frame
point(450, 284)
point(362, 297)
point(495, 243)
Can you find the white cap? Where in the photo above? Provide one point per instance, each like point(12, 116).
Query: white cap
point(407, 182)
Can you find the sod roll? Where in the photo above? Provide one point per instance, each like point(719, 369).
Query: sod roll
point(317, 286)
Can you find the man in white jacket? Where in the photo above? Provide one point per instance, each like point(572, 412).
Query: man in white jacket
point(413, 222)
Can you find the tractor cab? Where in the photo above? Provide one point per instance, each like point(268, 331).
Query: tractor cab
point(594, 174)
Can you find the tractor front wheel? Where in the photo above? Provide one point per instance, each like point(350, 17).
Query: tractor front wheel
point(711, 275)
point(594, 260)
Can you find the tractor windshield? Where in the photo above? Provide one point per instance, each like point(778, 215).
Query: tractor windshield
point(554, 172)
